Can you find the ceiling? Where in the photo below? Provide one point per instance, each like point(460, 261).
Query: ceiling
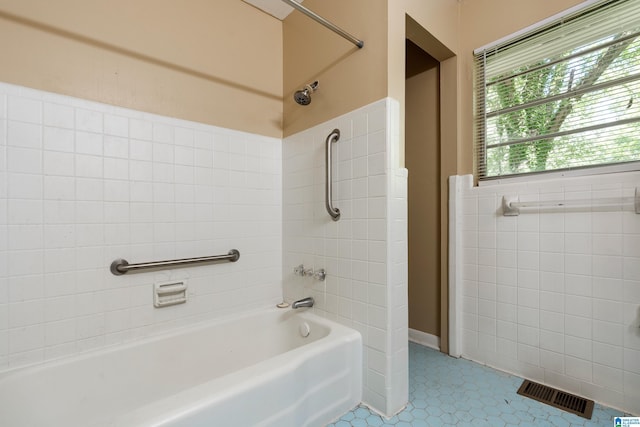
point(275, 8)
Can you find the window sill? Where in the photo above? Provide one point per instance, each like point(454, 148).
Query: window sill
point(569, 173)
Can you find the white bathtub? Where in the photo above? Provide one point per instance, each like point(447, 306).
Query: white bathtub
point(251, 370)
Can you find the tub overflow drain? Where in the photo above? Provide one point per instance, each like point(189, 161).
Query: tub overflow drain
point(305, 330)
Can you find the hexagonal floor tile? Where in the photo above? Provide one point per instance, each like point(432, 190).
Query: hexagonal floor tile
point(449, 392)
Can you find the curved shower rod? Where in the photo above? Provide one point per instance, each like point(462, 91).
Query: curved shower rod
point(294, 4)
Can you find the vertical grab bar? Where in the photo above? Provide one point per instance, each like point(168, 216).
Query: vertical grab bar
point(334, 136)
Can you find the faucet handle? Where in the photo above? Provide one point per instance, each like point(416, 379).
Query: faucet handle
point(308, 272)
point(320, 275)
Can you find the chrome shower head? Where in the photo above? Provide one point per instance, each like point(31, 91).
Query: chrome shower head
point(303, 96)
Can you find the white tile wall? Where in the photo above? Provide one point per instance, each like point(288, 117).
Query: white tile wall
point(552, 294)
point(364, 253)
point(83, 183)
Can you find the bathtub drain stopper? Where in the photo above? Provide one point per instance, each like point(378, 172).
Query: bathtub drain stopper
point(283, 304)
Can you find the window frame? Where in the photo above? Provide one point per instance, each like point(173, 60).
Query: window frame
point(480, 110)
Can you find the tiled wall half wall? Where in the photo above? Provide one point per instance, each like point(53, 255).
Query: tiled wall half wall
point(83, 183)
point(365, 252)
point(554, 294)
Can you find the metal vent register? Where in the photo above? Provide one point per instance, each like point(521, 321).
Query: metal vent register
point(559, 399)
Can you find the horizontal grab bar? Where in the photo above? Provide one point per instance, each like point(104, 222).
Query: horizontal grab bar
point(511, 205)
point(121, 266)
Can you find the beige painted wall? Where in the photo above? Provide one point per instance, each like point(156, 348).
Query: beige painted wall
point(148, 55)
point(422, 146)
point(482, 22)
point(349, 77)
point(217, 62)
point(433, 25)
point(439, 18)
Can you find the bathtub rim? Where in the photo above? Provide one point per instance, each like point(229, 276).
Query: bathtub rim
point(163, 334)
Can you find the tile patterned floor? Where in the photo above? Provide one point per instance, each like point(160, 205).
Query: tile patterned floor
point(444, 391)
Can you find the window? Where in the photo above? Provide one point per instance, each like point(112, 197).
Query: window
point(560, 97)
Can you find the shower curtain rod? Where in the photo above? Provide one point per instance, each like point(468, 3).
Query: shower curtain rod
point(294, 4)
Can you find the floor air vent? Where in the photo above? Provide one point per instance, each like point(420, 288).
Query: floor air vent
point(565, 401)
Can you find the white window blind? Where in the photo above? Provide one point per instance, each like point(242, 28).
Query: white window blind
point(562, 97)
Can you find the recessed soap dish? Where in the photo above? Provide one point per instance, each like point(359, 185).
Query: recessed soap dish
point(169, 293)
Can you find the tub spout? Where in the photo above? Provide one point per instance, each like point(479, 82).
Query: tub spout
point(304, 302)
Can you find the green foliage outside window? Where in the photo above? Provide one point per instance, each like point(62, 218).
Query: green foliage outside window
point(579, 108)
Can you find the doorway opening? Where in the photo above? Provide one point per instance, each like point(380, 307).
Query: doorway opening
point(431, 157)
point(422, 159)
